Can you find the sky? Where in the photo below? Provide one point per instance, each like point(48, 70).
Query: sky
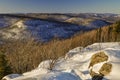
point(60, 6)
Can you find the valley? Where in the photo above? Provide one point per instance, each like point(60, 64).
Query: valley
point(45, 27)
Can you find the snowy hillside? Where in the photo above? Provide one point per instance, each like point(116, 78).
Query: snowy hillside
point(91, 23)
point(45, 29)
point(6, 21)
point(97, 23)
point(79, 64)
point(41, 30)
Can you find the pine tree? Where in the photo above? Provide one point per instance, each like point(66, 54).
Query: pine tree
point(109, 32)
point(4, 68)
point(117, 27)
point(116, 30)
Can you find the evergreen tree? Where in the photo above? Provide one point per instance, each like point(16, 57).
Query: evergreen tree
point(109, 33)
point(116, 30)
point(117, 27)
point(99, 34)
point(4, 68)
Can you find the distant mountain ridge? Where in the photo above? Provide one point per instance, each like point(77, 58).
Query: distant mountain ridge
point(46, 26)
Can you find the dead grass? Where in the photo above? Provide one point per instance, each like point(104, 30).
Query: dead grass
point(97, 58)
point(25, 56)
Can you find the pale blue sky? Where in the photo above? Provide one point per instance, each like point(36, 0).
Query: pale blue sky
point(60, 6)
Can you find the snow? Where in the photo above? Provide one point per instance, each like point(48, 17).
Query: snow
point(45, 64)
point(60, 76)
point(75, 64)
point(6, 21)
point(11, 76)
point(97, 67)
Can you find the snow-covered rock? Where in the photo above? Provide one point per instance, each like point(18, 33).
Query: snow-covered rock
point(73, 52)
point(45, 64)
point(76, 67)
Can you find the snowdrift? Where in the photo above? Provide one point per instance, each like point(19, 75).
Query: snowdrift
point(77, 64)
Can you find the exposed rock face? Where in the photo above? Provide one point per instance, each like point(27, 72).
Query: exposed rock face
point(105, 69)
point(97, 77)
point(97, 58)
point(92, 73)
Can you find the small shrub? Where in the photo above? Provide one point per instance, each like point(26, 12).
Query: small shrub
point(4, 68)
